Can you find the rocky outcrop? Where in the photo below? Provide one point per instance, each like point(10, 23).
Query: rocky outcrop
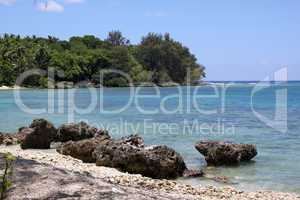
point(76, 132)
point(130, 155)
point(90, 145)
point(83, 150)
point(39, 135)
point(225, 153)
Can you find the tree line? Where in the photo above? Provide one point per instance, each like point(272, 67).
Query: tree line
point(156, 59)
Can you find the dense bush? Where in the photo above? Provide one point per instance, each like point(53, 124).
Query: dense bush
point(156, 59)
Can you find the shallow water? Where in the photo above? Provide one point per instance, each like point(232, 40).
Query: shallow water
point(275, 168)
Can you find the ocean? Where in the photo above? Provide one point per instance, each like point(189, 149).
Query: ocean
point(263, 114)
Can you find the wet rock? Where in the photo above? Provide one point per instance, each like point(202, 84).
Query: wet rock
point(75, 132)
point(129, 155)
point(224, 153)
point(83, 149)
point(39, 135)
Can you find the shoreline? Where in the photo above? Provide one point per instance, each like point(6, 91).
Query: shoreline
point(168, 85)
point(113, 176)
point(203, 84)
point(3, 87)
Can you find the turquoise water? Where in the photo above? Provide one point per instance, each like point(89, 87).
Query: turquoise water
point(277, 167)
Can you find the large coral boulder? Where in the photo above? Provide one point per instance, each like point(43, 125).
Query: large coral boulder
point(75, 132)
point(39, 135)
point(83, 149)
point(130, 155)
point(225, 153)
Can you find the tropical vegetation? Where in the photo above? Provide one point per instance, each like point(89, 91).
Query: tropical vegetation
point(156, 59)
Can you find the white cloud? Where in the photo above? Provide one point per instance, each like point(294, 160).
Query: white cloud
point(50, 6)
point(7, 2)
point(73, 1)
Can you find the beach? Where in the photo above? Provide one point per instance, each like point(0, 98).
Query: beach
point(115, 177)
point(11, 88)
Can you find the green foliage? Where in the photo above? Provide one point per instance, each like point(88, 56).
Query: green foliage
point(116, 82)
point(156, 59)
point(6, 183)
point(6, 73)
point(168, 59)
point(116, 38)
point(138, 73)
point(43, 82)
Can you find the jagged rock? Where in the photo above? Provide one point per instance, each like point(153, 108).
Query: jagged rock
point(75, 132)
point(133, 140)
point(39, 135)
point(83, 149)
point(129, 155)
point(225, 153)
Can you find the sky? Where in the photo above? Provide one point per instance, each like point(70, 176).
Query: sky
point(233, 39)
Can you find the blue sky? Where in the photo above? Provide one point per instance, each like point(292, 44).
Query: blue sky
point(234, 39)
